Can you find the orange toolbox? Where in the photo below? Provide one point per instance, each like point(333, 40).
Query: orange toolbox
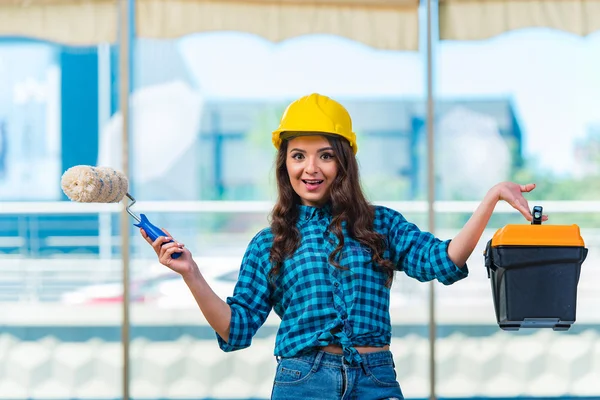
point(534, 272)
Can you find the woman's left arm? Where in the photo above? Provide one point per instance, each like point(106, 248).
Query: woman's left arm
point(463, 244)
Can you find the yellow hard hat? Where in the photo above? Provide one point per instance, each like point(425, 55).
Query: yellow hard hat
point(316, 113)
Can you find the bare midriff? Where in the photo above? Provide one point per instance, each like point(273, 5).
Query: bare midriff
point(336, 349)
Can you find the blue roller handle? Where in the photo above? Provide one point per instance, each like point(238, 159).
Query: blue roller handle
point(153, 232)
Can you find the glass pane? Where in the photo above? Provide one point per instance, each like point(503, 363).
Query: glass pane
point(60, 275)
point(525, 111)
point(204, 108)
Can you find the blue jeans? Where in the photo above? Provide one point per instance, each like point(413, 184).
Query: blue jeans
point(326, 376)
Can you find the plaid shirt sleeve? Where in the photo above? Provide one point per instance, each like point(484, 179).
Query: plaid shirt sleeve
point(420, 254)
point(250, 303)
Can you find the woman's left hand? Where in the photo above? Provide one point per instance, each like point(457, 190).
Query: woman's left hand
point(512, 193)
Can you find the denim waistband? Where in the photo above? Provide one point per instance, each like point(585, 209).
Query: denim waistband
point(368, 359)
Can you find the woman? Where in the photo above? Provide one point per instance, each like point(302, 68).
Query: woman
point(326, 263)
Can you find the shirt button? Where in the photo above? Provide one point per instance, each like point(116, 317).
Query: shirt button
point(336, 284)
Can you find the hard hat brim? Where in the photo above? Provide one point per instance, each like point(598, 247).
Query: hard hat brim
point(284, 134)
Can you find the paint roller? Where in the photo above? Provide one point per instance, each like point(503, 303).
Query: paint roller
point(87, 184)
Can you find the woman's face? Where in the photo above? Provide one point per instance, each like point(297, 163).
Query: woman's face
point(312, 168)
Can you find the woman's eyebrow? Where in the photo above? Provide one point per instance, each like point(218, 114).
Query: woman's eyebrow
point(318, 151)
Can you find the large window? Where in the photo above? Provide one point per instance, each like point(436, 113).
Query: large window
point(521, 106)
point(545, 132)
point(214, 99)
point(56, 339)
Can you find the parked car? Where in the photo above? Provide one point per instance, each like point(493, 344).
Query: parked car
point(160, 286)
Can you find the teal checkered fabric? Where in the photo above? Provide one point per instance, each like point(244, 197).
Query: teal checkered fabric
point(319, 304)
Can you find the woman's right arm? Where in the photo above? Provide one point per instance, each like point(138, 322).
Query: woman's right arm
point(236, 320)
point(216, 311)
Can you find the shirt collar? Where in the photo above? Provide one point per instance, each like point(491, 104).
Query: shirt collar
point(306, 213)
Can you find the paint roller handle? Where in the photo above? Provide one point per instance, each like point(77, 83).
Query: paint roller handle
point(153, 232)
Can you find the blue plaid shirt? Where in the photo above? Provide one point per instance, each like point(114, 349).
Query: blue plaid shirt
point(319, 304)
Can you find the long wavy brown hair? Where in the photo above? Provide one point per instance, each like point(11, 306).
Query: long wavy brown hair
point(348, 204)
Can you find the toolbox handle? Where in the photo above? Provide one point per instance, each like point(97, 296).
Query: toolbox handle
point(537, 215)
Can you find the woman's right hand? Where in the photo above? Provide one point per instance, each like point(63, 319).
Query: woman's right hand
point(184, 265)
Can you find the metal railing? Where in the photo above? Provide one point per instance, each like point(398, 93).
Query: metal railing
point(25, 277)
